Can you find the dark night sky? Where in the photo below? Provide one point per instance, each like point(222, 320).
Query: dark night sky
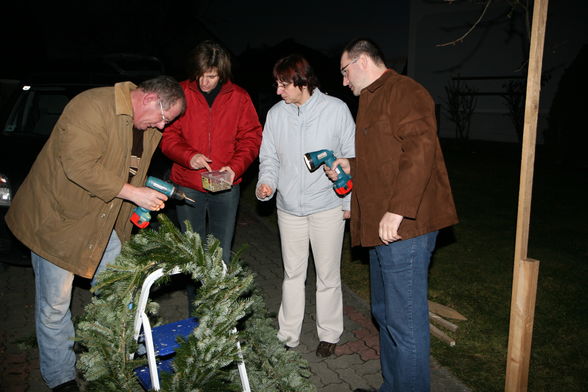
point(75, 29)
point(324, 24)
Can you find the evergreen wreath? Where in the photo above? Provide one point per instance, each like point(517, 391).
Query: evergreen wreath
point(206, 361)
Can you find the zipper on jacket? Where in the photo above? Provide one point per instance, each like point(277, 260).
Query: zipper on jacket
point(210, 127)
point(302, 143)
point(209, 131)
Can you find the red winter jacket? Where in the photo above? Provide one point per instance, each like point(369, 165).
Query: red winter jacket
point(229, 133)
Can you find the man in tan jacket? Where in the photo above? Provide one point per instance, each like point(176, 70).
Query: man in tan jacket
point(73, 208)
point(401, 198)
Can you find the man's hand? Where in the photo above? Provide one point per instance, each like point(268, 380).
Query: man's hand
point(330, 171)
point(388, 229)
point(263, 191)
point(200, 161)
point(228, 169)
point(144, 197)
point(346, 214)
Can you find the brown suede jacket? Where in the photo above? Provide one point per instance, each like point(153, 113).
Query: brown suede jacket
point(399, 166)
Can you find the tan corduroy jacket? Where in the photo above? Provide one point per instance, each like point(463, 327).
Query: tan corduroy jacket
point(67, 207)
point(399, 166)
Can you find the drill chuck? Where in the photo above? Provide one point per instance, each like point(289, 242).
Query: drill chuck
point(141, 216)
point(309, 162)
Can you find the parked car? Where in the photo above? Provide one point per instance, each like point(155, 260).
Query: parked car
point(27, 116)
point(34, 111)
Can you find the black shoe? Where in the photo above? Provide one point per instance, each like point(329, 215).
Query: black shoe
point(70, 386)
point(325, 349)
point(364, 390)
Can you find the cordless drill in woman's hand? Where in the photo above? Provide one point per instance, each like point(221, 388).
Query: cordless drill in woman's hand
point(315, 159)
point(141, 216)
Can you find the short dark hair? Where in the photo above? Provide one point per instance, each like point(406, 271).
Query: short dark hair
point(296, 69)
point(208, 55)
point(359, 46)
point(167, 89)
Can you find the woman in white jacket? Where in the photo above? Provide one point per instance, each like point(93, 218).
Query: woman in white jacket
point(309, 210)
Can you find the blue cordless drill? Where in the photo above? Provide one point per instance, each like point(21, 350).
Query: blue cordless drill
point(141, 216)
point(313, 161)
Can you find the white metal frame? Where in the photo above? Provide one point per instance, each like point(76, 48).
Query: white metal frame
point(142, 320)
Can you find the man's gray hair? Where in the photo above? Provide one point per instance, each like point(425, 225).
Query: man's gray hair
point(167, 89)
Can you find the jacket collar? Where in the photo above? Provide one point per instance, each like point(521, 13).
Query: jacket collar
point(226, 87)
point(389, 73)
point(307, 106)
point(122, 98)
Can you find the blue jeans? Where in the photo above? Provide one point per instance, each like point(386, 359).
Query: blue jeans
point(221, 209)
point(399, 274)
point(55, 330)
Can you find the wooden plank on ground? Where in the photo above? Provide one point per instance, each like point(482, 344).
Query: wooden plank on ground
point(441, 335)
point(445, 311)
point(442, 322)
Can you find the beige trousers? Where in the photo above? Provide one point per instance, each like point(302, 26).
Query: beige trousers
point(324, 231)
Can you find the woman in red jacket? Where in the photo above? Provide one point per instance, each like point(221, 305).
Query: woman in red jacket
point(219, 131)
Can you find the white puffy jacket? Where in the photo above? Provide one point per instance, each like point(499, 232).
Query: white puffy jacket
point(290, 131)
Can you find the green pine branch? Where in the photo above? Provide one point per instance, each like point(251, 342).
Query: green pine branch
point(206, 361)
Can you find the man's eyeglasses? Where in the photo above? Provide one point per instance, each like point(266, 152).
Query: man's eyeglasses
point(344, 69)
point(165, 120)
point(281, 85)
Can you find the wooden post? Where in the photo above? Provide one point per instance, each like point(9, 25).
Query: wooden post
point(526, 271)
point(521, 326)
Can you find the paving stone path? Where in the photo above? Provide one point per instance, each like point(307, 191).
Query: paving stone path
point(356, 363)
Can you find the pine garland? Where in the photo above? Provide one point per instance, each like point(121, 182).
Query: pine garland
point(206, 361)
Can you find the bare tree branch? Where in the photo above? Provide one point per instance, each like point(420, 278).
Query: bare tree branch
point(460, 39)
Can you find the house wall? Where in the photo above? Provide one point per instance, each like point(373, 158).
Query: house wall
point(496, 48)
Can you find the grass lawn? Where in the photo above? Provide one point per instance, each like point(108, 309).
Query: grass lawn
point(472, 268)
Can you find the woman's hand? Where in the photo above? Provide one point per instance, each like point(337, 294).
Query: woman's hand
point(200, 161)
point(263, 191)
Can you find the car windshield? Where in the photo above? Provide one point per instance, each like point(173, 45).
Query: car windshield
point(37, 111)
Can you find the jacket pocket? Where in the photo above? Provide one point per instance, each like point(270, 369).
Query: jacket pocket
point(61, 236)
point(73, 207)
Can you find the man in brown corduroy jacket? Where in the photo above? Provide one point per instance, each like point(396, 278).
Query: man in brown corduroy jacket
point(401, 198)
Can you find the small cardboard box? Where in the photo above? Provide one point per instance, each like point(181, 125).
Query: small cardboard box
point(216, 181)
